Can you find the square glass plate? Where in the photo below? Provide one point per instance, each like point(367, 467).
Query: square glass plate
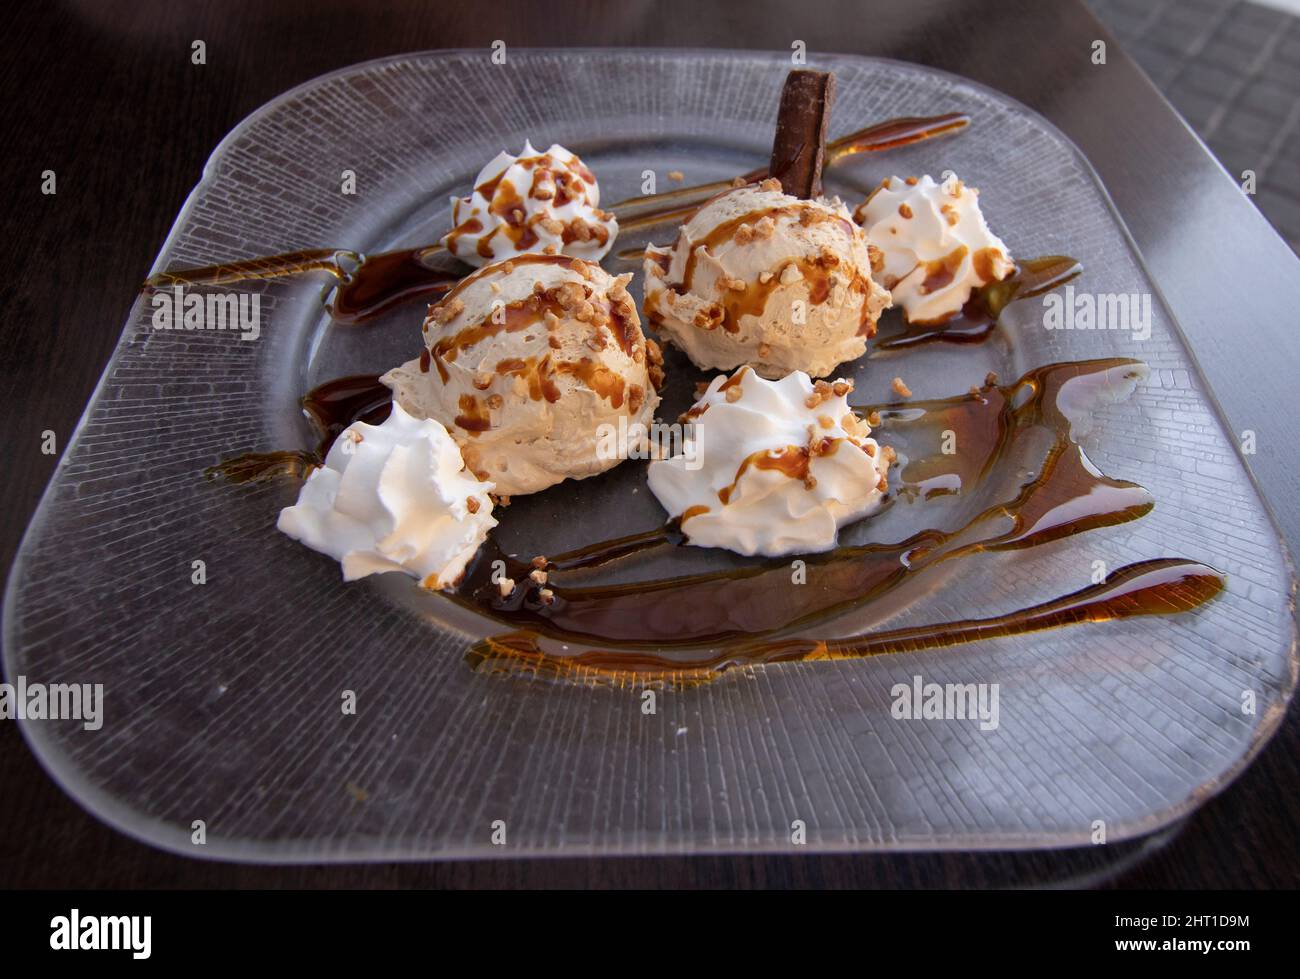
point(223, 700)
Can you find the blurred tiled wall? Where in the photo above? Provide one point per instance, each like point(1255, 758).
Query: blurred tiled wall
point(1233, 70)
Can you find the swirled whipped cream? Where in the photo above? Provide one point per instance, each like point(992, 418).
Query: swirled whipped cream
point(534, 202)
point(937, 246)
point(393, 497)
point(772, 467)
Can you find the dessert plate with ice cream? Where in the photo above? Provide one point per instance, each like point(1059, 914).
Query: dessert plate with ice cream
point(771, 447)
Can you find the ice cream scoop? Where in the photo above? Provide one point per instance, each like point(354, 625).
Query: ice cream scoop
point(774, 467)
point(936, 245)
point(525, 362)
point(546, 203)
point(758, 277)
point(393, 497)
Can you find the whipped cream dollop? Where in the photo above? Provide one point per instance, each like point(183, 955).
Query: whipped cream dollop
point(762, 278)
point(546, 203)
point(785, 464)
point(937, 246)
point(393, 497)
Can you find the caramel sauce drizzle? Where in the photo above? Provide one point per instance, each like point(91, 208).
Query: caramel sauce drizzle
point(752, 299)
point(976, 320)
point(689, 629)
point(1065, 497)
point(1165, 586)
point(368, 285)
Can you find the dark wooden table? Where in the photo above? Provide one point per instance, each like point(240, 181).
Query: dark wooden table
point(105, 94)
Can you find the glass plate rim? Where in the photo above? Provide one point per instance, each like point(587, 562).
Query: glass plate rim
point(172, 838)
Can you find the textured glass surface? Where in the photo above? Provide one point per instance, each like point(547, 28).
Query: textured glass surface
point(222, 700)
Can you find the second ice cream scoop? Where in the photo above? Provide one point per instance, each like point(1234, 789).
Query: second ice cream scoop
point(525, 363)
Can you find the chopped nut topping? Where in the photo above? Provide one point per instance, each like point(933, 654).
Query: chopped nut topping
point(901, 389)
point(471, 504)
point(873, 419)
point(710, 318)
point(825, 421)
point(744, 234)
point(445, 312)
point(790, 274)
point(841, 388)
point(911, 181)
point(539, 561)
point(552, 226)
point(483, 381)
point(538, 575)
point(765, 228)
point(771, 184)
point(546, 595)
point(635, 398)
point(568, 295)
point(581, 230)
point(876, 258)
point(734, 393)
point(676, 175)
point(507, 586)
point(733, 284)
point(765, 277)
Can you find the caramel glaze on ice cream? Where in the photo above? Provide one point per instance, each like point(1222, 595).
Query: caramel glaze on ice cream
point(752, 299)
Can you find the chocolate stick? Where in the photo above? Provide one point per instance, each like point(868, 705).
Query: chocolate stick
point(799, 146)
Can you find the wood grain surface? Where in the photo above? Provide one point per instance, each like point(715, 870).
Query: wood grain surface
point(105, 95)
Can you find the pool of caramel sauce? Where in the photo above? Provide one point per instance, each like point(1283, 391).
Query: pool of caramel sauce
point(691, 628)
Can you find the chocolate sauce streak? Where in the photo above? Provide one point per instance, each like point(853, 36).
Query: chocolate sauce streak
point(1032, 277)
point(1161, 587)
point(368, 285)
